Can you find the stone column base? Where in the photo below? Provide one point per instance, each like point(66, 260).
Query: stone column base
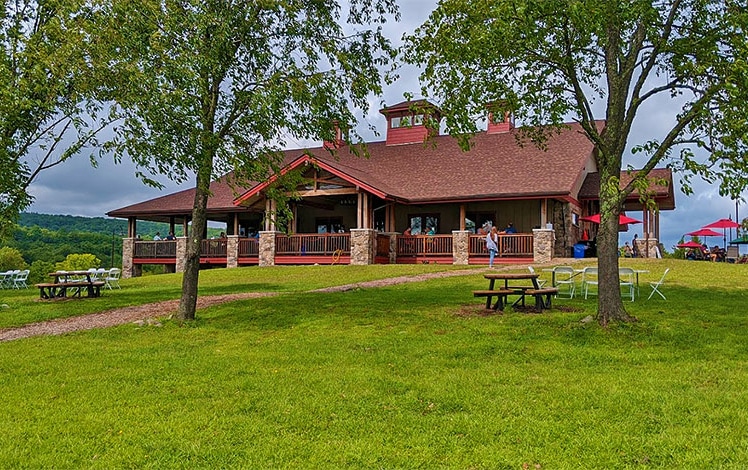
point(460, 247)
point(542, 245)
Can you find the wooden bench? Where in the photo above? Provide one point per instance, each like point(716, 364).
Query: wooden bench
point(489, 294)
point(51, 290)
point(548, 292)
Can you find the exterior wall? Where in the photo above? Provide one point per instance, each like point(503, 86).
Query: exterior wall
point(543, 245)
point(567, 234)
point(267, 248)
point(306, 217)
point(460, 247)
point(406, 135)
point(128, 248)
point(363, 246)
point(525, 215)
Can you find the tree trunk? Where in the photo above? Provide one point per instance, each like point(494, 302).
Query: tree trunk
point(609, 302)
point(188, 301)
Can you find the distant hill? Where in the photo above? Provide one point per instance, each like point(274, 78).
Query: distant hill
point(102, 225)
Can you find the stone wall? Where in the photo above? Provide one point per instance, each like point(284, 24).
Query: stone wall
point(543, 245)
point(460, 247)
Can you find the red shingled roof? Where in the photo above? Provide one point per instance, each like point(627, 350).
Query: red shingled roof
point(496, 167)
point(664, 194)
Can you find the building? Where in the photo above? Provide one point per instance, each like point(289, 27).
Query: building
point(352, 209)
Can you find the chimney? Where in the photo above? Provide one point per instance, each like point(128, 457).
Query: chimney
point(338, 141)
point(499, 120)
point(411, 122)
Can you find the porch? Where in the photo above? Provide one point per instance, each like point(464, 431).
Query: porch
point(359, 246)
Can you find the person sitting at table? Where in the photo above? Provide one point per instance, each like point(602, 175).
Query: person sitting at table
point(171, 236)
point(705, 253)
point(691, 254)
point(510, 228)
point(717, 254)
point(157, 237)
point(492, 240)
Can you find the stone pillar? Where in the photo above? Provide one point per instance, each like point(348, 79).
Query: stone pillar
point(543, 240)
point(647, 247)
point(232, 251)
point(267, 248)
point(393, 247)
point(181, 253)
point(460, 247)
point(363, 246)
point(128, 250)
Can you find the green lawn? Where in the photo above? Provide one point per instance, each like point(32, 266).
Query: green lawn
point(407, 376)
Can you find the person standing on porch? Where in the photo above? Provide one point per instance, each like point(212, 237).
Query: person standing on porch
point(635, 246)
point(492, 240)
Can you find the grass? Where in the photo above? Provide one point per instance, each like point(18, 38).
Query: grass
point(406, 376)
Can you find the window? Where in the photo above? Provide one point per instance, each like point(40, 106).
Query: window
point(395, 122)
point(477, 220)
point(329, 224)
point(406, 121)
point(497, 117)
point(421, 223)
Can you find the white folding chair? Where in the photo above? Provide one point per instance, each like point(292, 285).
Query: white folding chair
point(564, 276)
point(541, 282)
point(20, 278)
point(626, 279)
point(656, 286)
point(112, 279)
point(6, 279)
point(589, 278)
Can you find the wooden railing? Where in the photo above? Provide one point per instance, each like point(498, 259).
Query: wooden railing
point(421, 245)
point(214, 248)
point(383, 245)
point(155, 249)
point(313, 244)
point(510, 245)
point(249, 247)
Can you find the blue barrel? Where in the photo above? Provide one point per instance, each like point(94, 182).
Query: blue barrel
point(579, 250)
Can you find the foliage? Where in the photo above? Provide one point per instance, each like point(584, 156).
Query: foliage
point(322, 380)
point(548, 60)
point(78, 262)
point(45, 117)
point(11, 258)
point(208, 88)
point(39, 271)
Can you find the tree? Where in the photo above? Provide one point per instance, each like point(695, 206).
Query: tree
point(548, 60)
point(45, 118)
point(205, 88)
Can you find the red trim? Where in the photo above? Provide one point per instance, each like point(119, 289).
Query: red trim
point(308, 259)
point(154, 261)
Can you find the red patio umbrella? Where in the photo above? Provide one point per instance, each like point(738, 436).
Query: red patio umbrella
point(689, 244)
point(622, 219)
point(704, 232)
point(724, 224)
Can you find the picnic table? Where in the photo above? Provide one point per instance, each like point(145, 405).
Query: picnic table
point(541, 295)
point(72, 283)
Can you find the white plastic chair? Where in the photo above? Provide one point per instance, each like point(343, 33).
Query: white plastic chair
point(20, 278)
point(6, 280)
point(564, 276)
point(626, 279)
point(112, 279)
point(589, 278)
point(656, 286)
point(541, 282)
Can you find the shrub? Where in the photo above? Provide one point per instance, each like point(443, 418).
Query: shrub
point(11, 258)
point(39, 271)
point(78, 262)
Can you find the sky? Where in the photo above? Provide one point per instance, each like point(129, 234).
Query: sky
point(76, 188)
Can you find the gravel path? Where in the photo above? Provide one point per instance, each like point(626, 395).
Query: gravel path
point(147, 312)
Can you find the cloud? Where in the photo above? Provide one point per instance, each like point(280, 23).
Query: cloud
point(76, 188)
